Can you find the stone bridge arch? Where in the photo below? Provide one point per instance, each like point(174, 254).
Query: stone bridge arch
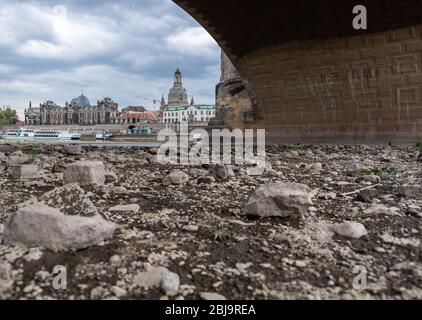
point(316, 78)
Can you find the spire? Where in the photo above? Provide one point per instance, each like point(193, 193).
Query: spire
point(163, 103)
point(192, 102)
point(178, 78)
point(177, 94)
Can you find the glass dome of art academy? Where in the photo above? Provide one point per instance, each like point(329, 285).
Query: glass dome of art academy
point(81, 101)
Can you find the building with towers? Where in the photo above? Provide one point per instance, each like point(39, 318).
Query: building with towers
point(178, 109)
point(76, 112)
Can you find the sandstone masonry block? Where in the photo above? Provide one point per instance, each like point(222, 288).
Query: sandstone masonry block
point(85, 173)
point(25, 172)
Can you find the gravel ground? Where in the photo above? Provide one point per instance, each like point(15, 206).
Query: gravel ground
point(198, 232)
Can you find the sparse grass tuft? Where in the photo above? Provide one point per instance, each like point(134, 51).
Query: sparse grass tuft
point(299, 147)
point(222, 233)
point(384, 173)
point(32, 158)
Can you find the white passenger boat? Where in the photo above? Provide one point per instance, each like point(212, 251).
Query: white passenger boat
point(103, 136)
point(40, 134)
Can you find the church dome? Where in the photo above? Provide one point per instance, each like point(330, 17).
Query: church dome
point(81, 101)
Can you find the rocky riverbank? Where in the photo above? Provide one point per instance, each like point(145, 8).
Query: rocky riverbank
point(322, 222)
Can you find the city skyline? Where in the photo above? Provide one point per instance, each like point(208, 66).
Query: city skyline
point(127, 51)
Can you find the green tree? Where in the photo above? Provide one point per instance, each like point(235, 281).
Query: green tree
point(8, 116)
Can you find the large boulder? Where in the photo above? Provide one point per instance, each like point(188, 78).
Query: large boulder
point(38, 225)
point(85, 173)
point(279, 200)
point(70, 199)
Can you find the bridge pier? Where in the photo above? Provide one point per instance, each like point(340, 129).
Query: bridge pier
point(316, 78)
point(363, 89)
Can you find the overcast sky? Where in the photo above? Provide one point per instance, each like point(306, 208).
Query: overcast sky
point(127, 50)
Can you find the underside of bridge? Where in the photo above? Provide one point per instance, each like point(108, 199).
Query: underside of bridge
point(315, 77)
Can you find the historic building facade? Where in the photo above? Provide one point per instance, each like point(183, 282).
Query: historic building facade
point(76, 112)
point(135, 115)
point(188, 113)
point(32, 116)
point(178, 109)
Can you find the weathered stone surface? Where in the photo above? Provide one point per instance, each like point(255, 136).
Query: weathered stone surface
point(3, 157)
point(170, 282)
point(411, 191)
point(212, 296)
point(6, 278)
point(327, 195)
point(25, 172)
point(1, 232)
point(34, 254)
point(198, 172)
point(279, 200)
point(349, 229)
point(8, 148)
point(356, 169)
point(126, 208)
point(223, 171)
point(381, 209)
point(85, 173)
point(118, 291)
point(176, 177)
point(98, 293)
point(151, 278)
point(259, 169)
point(366, 196)
point(191, 228)
point(72, 149)
point(110, 177)
point(70, 199)
point(404, 242)
point(17, 157)
point(232, 92)
point(206, 180)
point(42, 226)
point(372, 178)
point(153, 151)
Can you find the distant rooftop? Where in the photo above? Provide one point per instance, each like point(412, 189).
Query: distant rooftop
point(187, 106)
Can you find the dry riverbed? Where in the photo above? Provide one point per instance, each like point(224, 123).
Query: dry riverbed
point(187, 236)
